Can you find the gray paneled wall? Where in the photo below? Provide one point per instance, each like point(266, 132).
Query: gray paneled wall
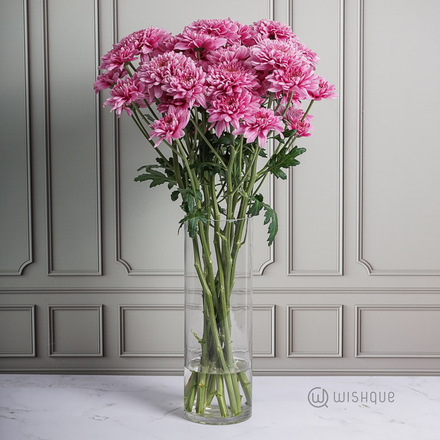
point(91, 263)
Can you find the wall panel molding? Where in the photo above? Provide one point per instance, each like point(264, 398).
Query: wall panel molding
point(314, 332)
point(256, 371)
point(69, 236)
point(122, 259)
point(17, 333)
point(389, 333)
point(362, 259)
point(135, 338)
point(267, 256)
point(256, 290)
point(75, 331)
point(16, 252)
point(339, 234)
point(269, 351)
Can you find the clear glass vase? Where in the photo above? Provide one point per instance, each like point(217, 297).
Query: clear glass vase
point(218, 322)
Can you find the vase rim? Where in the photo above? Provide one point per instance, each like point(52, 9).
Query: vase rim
point(230, 219)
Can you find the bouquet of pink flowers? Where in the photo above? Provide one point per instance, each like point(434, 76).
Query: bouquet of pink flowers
point(218, 86)
point(207, 100)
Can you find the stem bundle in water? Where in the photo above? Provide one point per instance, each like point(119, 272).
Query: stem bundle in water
point(218, 380)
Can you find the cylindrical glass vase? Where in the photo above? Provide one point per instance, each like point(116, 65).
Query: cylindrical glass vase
point(218, 322)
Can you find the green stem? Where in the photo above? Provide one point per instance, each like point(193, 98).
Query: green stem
point(247, 173)
point(246, 385)
point(192, 176)
point(190, 391)
point(212, 383)
point(308, 109)
point(221, 397)
point(288, 104)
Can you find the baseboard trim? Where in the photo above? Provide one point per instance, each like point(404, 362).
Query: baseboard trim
point(256, 372)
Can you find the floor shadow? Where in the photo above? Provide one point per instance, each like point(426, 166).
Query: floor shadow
point(158, 396)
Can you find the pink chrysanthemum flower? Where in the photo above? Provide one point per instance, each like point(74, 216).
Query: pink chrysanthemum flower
point(175, 75)
point(197, 42)
point(154, 72)
point(126, 91)
point(226, 28)
point(171, 126)
point(274, 30)
point(246, 34)
point(294, 121)
point(324, 91)
point(107, 79)
point(230, 78)
point(227, 110)
point(259, 125)
point(234, 52)
point(148, 42)
point(120, 54)
point(270, 54)
point(310, 57)
point(186, 86)
point(294, 79)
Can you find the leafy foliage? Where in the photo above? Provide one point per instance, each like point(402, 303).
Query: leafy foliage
point(194, 214)
point(284, 159)
point(270, 216)
point(193, 219)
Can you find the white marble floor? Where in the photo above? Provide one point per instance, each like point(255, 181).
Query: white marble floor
point(50, 407)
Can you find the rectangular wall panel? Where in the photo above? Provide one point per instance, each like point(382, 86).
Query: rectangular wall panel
point(140, 326)
point(398, 331)
point(72, 136)
point(75, 331)
point(151, 331)
point(17, 331)
point(399, 200)
point(316, 186)
point(139, 208)
point(15, 193)
point(264, 331)
point(314, 331)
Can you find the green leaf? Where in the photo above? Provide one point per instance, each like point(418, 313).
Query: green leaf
point(199, 195)
point(175, 195)
point(226, 138)
point(189, 201)
point(262, 153)
point(279, 173)
point(190, 197)
point(284, 159)
point(256, 205)
point(210, 167)
point(193, 219)
point(288, 133)
point(271, 218)
point(156, 177)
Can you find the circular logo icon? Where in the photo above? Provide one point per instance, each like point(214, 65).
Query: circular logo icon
point(318, 397)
